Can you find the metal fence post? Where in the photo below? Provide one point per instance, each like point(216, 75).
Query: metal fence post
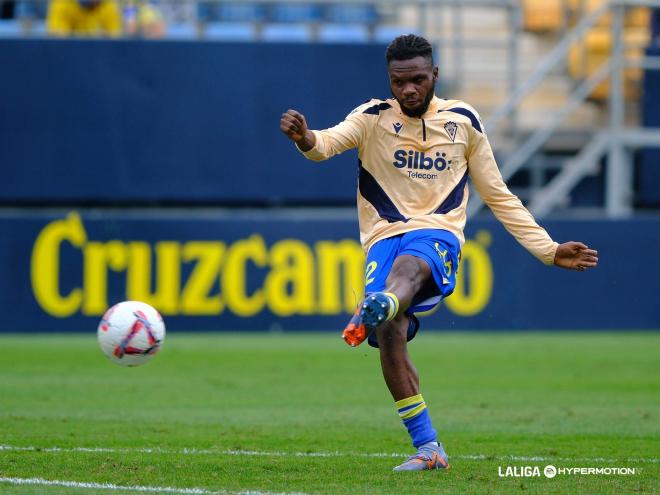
point(618, 190)
point(515, 28)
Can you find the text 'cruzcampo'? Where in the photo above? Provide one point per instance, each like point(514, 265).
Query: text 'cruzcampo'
point(71, 273)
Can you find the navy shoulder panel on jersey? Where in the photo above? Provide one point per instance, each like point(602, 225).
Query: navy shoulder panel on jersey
point(371, 190)
point(466, 113)
point(376, 109)
point(455, 197)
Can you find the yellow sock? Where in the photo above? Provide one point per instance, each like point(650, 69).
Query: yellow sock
point(394, 305)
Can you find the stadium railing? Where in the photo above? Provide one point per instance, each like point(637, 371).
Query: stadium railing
point(615, 142)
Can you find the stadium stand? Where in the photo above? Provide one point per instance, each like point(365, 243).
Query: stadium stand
point(587, 55)
point(29, 9)
point(181, 31)
point(543, 16)
point(348, 23)
point(230, 21)
point(10, 28)
point(343, 33)
point(292, 22)
point(234, 21)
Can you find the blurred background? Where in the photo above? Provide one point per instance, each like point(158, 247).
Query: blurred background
point(141, 158)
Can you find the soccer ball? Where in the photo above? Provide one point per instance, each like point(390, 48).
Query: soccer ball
point(130, 333)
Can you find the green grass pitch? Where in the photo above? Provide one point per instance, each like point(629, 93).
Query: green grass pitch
point(272, 413)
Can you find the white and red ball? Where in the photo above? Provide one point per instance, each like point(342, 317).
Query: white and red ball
point(131, 333)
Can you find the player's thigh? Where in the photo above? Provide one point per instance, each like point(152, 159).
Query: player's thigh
point(409, 270)
point(439, 250)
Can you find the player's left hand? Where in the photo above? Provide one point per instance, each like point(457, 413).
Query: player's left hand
point(576, 256)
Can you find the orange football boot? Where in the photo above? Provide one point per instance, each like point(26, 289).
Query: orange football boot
point(355, 332)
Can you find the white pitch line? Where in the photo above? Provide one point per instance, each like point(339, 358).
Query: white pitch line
point(483, 457)
point(193, 451)
point(134, 488)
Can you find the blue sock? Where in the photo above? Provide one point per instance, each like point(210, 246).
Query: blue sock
point(415, 417)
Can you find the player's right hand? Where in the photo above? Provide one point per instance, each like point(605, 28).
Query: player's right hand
point(293, 125)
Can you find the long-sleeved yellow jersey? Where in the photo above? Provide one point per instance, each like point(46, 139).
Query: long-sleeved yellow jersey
point(413, 172)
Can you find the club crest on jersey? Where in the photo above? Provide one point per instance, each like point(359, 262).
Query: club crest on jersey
point(451, 129)
point(397, 127)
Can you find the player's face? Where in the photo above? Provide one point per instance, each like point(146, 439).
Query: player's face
point(412, 83)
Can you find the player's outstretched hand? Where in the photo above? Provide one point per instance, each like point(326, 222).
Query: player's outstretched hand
point(294, 126)
point(576, 256)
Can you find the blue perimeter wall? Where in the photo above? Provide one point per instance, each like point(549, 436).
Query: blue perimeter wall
point(228, 270)
point(174, 121)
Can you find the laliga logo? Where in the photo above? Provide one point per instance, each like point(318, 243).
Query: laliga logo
point(418, 160)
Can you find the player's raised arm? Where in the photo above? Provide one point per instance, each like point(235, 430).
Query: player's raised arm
point(321, 145)
point(510, 211)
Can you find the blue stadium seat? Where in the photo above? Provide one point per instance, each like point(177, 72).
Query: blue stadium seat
point(206, 11)
point(351, 14)
point(181, 31)
point(240, 12)
point(230, 12)
point(294, 13)
point(298, 33)
point(10, 28)
point(343, 33)
point(386, 33)
point(231, 31)
point(31, 9)
point(38, 29)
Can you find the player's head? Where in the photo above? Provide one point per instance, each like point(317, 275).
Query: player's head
point(411, 72)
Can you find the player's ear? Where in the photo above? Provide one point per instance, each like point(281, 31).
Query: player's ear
point(435, 74)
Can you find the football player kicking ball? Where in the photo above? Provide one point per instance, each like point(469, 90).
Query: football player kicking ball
point(416, 152)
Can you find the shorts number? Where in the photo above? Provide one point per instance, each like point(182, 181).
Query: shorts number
point(443, 255)
point(371, 268)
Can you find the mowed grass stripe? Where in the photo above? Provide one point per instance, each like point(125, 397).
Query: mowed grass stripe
point(142, 489)
point(247, 453)
point(568, 399)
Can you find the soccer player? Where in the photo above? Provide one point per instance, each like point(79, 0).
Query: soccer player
point(416, 152)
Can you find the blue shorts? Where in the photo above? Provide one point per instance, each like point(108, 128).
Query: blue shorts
point(440, 250)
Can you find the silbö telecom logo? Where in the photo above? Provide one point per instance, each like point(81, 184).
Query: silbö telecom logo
point(551, 471)
point(417, 160)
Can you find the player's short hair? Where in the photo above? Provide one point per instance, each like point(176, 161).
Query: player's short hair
point(409, 46)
